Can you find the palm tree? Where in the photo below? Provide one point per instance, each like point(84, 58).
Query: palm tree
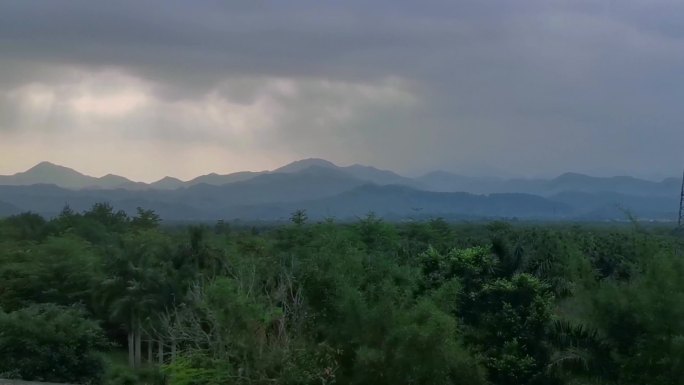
point(133, 291)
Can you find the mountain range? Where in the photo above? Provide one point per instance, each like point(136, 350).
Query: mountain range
point(327, 190)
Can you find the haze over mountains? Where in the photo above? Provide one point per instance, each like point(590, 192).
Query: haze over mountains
point(327, 190)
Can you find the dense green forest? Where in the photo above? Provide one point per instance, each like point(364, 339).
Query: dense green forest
point(369, 302)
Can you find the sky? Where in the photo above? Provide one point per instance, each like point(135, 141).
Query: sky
point(529, 88)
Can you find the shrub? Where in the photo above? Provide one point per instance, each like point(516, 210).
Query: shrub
point(51, 343)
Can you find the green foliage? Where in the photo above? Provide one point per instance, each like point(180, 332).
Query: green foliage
point(146, 219)
point(50, 343)
point(642, 321)
point(25, 227)
point(299, 217)
point(511, 319)
point(420, 346)
point(61, 270)
point(121, 375)
point(375, 234)
point(133, 283)
point(332, 303)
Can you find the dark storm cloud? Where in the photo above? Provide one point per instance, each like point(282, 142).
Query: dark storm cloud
point(528, 87)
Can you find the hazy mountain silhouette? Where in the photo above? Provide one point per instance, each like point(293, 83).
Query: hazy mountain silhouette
point(445, 181)
point(310, 183)
point(303, 164)
point(167, 183)
point(365, 173)
point(612, 205)
point(213, 179)
point(621, 184)
point(252, 201)
point(46, 172)
point(438, 181)
point(219, 180)
point(49, 173)
point(329, 190)
point(397, 202)
point(115, 181)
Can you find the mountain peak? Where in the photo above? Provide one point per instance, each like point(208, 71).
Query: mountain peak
point(303, 164)
point(45, 163)
point(168, 179)
point(47, 169)
point(113, 181)
point(113, 176)
point(168, 183)
point(49, 173)
point(48, 166)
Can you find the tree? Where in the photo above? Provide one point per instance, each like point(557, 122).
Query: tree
point(104, 214)
point(375, 234)
point(510, 322)
point(299, 217)
point(133, 290)
point(145, 219)
point(507, 319)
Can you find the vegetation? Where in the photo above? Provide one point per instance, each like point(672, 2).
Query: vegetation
point(369, 302)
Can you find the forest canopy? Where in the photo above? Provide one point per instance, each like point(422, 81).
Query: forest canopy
point(369, 302)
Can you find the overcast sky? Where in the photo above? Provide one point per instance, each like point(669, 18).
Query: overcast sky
point(146, 89)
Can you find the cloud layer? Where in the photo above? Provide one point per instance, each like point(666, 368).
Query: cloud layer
point(151, 88)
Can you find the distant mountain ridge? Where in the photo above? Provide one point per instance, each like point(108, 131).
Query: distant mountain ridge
point(367, 173)
point(445, 181)
point(438, 181)
point(330, 190)
point(210, 203)
point(49, 173)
